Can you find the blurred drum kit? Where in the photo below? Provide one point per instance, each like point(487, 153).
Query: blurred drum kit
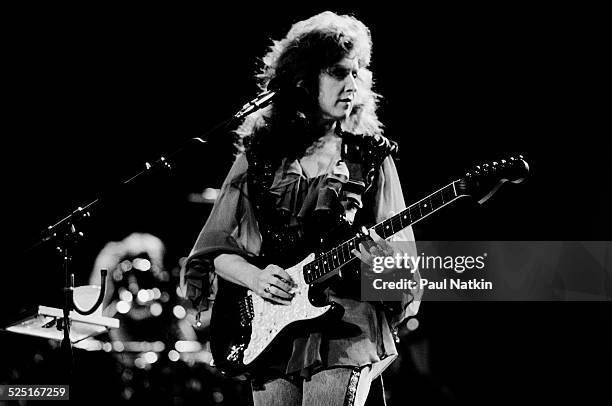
point(139, 292)
point(144, 324)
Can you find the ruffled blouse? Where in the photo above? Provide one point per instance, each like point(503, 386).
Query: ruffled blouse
point(364, 334)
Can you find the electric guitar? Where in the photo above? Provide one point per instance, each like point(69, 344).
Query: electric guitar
point(244, 325)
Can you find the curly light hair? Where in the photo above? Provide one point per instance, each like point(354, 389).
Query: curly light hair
point(292, 68)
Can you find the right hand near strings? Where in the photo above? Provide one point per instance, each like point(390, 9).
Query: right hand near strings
point(273, 283)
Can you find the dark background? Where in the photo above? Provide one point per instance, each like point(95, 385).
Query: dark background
point(91, 94)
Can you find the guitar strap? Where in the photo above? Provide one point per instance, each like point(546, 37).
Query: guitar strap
point(275, 233)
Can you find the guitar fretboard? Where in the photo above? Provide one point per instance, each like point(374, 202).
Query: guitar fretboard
point(323, 265)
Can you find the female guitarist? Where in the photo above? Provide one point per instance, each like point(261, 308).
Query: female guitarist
point(312, 167)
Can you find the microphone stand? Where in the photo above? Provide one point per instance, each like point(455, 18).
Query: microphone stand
point(66, 235)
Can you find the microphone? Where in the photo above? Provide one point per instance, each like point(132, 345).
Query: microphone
point(259, 102)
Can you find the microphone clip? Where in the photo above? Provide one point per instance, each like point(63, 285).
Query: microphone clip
point(261, 101)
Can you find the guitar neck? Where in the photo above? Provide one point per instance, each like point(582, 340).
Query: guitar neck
point(323, 266)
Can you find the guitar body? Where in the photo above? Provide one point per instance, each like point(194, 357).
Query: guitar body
point(244, 325)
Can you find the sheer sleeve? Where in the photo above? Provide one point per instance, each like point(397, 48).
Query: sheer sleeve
point(390, 199)
point(231, 228)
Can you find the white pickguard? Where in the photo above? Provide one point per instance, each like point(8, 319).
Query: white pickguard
point(270, 318)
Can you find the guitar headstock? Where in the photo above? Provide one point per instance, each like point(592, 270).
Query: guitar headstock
point(484, 180)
